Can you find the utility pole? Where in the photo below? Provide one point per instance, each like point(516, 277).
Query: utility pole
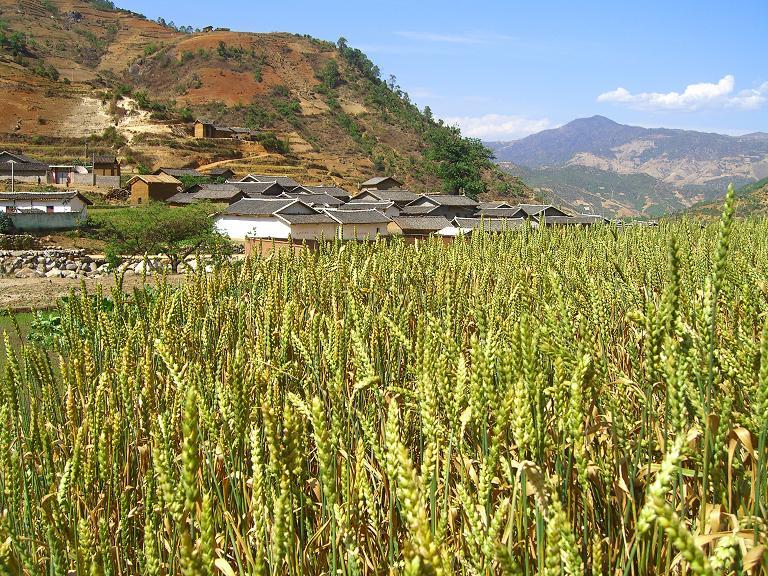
point(13, 187)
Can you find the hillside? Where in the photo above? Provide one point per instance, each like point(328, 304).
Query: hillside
point(75, 70)
point(631, 170)
point(751, 200)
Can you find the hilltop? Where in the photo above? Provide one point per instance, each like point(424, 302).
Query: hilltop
point(629, 170)
point(751, 200)
point(72, 71)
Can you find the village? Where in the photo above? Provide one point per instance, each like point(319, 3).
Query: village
point(253, 208)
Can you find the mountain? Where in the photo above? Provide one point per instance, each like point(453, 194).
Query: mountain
point(76, 71)
point(751, 201)
point(628, 170)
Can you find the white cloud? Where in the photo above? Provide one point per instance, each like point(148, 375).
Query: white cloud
point(477, 37)
point(694, 97)
point(498, 126)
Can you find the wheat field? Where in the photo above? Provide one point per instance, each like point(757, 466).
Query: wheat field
point(544, 401)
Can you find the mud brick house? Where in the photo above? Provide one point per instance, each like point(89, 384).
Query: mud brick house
point(152, 188)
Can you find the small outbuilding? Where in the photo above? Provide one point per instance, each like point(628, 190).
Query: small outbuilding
point(381, 183)
point(146, 188)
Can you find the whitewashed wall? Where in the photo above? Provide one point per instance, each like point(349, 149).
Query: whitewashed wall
point(240, 227)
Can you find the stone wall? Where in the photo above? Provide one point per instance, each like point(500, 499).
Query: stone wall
point(76, 264)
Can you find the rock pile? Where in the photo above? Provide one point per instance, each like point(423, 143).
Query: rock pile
point(76, 264)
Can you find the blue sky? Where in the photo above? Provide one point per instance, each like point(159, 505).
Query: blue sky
point(504, 69)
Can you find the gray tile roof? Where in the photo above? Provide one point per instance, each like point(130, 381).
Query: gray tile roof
point(181, 198)
point(220, 171)
point(380, 206)
point(494, 204)
point(306, 218)
point(502, 213)
point(421, 223)
point(581, 219)
point(417, 210)
point(350, 217)
point(178, 172)
point(24, 164)
point(450, 199)
point(256, 189)
point(258, 206)
point(334, 191)
point(378, 180)
point(536, 209)
point(316, 199)
point(490, 224)
point(284, 181)
point(43, 196)
point(397, 196)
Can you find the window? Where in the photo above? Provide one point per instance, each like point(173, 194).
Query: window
point(49, 209)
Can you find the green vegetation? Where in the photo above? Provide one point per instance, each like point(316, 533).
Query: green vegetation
point(538, 402)
point(329, 76)
point(15, 43)
point(285, 105)
point(159, 229)
point(272, 143)
point(458, 161)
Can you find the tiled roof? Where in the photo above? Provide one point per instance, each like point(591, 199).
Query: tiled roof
point(490, 224)
point(502, 212)
point(284, 181)
point(306, 218)
point(450, 199)
point(182, 198)
point(258, 206)
point(43, 196)
point(334, 191)
point(154, 179)
point(380, 206)
point(220, 171)
point(256, 189)
point(417, 210)
point(179, 172)
point(378, 180)
point(397, 196)
point(358, 217)
point(317, 199)
point(421, 223)
point(581, 219)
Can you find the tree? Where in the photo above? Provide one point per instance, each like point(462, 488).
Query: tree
point(330, 75)
point(459, 162)
point(174, 232)
point(6, 224)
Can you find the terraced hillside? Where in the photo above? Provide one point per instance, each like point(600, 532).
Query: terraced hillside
point(72, 70)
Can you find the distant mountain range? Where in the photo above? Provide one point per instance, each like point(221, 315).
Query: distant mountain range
point(601, 165)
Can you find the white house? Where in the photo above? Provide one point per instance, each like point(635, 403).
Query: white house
point(45, 210)
point(360, 224)
point(48, 202)
point(278, 218)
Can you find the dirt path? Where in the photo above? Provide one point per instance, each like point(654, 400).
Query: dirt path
point(21, 294)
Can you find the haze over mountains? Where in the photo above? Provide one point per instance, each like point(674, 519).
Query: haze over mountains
point(597, 164)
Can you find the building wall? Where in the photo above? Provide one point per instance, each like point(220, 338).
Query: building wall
point(313, 231)
point(142, 192)
point(363, 231)
point(101, 181)
point(22, 176)
point(74, 205)
point(107, 169)
point(242, 227)
point(43, 221)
